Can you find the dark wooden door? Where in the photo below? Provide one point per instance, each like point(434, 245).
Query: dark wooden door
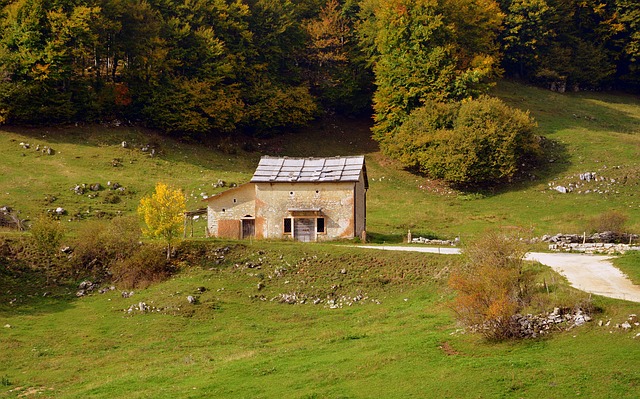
point(248, 228)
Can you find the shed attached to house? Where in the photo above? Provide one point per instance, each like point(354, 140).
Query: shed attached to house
point(306, 199)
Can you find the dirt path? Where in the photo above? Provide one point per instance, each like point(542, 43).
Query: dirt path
point(590, 273)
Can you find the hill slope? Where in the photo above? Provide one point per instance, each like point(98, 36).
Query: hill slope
point(585, 133)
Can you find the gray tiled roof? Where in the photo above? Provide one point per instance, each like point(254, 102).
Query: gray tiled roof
point(287, 170)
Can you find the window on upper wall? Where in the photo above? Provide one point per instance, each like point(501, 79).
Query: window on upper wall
point(287, 226)
point(320, 225)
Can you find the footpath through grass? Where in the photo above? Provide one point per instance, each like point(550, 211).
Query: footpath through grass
point(382, 328)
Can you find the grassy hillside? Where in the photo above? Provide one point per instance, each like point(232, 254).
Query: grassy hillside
point(373, 323)
point(585, 132)
point(389, 333)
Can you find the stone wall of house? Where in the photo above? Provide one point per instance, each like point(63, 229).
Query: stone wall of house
point(361, 207)
point(225, 211)
point(335, 200)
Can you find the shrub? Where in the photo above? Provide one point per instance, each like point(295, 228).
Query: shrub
point(145, 266)
point(42, 247)
point(101, 244)
point(492, 286)
point(614, 221)
point(471, 143)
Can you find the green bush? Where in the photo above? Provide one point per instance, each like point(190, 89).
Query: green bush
point(471, 143)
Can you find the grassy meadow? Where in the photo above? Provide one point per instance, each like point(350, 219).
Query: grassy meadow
point(373, 324)
point(389, 333)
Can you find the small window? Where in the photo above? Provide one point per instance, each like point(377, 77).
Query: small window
point(287, 226)
point(290, 192)
point(320, 225)
point(235, 200)
point(224, 210)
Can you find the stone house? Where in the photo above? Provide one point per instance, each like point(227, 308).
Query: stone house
point(305, 199)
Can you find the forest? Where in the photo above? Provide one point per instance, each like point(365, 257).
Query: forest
point(227, 67)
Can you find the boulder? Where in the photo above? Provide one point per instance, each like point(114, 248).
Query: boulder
point(561, 189)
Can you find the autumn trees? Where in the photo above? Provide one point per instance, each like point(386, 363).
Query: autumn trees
point(575, 43)
point(432, 60)
point(209, 67)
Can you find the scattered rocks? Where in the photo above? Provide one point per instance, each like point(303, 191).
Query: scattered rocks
point(588, 176)
point(60, 211)
point(592, 182)
point(290, 298)
point(532, 326)
point(293, 298)
point(85, 288)
point(95, 187)
point(107, 289)
point(127, 294)
point(141, 307)
point(422, 240)
point(191, 299)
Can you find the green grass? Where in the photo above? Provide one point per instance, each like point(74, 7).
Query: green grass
point(402, 341)
point(236, 342)
point(629, 263)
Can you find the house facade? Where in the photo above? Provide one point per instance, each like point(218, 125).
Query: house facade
point(305, 199)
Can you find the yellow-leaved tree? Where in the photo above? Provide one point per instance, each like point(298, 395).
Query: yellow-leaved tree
point(163, 214)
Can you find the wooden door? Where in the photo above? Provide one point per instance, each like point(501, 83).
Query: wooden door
point(248, 228)
point(304, 229)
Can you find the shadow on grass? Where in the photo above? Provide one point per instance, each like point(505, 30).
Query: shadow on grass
point(381, 238)
point(553, 161)
point(595, 111)
point(331, 136)
point(24, 291)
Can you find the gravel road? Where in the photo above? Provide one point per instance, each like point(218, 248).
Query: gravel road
point(591, 273)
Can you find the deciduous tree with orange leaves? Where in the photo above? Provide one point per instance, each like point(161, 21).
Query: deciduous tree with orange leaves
point(492, 286)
